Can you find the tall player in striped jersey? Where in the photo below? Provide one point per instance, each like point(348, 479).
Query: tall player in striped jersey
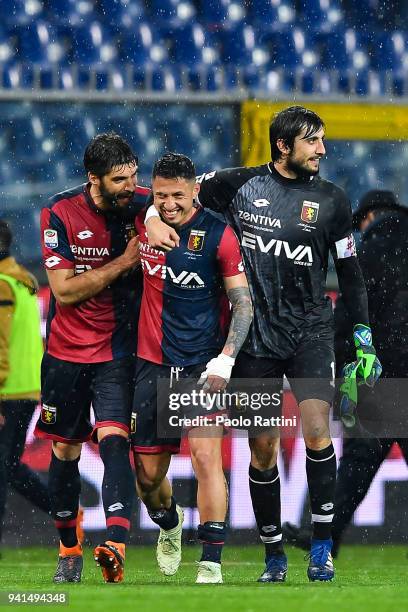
point(182, 336)
point(288, 219)
point(90, 256)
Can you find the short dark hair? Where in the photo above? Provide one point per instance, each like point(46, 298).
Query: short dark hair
point(288, 123)
point(105, 151)
point(6, 237)
point(174, 165)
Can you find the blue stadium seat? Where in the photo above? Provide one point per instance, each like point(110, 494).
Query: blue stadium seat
point(252, 77)
point(272, 14)
point(31, 139)
point(399, 84)
point(121, 13)
point(39, 43)
point(18, 76)
point(221, 12)
point(8, 49)
point(205, 78)
point(166, 79)
point(71, 13)
point(389, 50)
point(240, 47)
point(140, 46)
point(322, 15)
point(194, 45)
point(343, 49)
point(291, 48)
point(21, 11)
point(172, 11)
point(92, 44)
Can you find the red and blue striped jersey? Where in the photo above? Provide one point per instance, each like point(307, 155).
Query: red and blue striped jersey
point(185, 311)
point(76, 235)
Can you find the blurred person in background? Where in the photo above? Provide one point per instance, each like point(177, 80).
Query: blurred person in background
point(383, 256)
point(21, 351)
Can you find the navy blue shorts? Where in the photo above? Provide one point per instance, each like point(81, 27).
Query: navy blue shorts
point(69, 389)
point(151, 432)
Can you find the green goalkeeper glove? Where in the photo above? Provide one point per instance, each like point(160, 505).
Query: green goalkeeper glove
point(369, 366)
point(348, 389)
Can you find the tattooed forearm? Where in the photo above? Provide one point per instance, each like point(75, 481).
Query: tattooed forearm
point(241, 319)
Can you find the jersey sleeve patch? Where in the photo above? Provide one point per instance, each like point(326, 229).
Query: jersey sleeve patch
point(346, 247)
point(229, 254)
point(56, 251)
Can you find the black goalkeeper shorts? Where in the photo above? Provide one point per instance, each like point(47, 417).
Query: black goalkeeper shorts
point(310, 371)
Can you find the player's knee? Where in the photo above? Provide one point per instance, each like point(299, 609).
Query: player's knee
point(149, 478)
point(103, 432)
point(205, 459)
point(317, 442)
point(264, 452)
point(66, 452)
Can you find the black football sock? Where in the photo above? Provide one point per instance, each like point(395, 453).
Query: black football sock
point(165, 518)
point(321, 479)
point(64, 487)
point(264, 486)
point(118, 486)
point(212, 536)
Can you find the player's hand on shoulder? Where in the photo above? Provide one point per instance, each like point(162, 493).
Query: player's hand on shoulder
point(131, 254)
point(160, 235)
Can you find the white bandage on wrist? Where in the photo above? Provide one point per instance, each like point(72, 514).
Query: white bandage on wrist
point(151, 212)
point(218, 366)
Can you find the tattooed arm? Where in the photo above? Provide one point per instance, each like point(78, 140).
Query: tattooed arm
point(238, 294)
point(218, 370)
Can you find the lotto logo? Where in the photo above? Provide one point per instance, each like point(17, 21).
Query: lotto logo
point(84, 234)
point(327, 507)
point(64, 513)
point(114, 507)
point(269, 528)
point(52, 261)
point(260, 203)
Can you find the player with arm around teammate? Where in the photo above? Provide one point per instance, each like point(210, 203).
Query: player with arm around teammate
point(181, 338)
point(288, 219)
point(90, 354)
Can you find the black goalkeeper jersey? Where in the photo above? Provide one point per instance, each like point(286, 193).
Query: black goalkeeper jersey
point(286, 228)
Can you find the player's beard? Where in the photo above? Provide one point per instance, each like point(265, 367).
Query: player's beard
point(300, 170)
point(111, 199)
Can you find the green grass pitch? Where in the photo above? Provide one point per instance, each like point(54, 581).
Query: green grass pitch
point(368, 579)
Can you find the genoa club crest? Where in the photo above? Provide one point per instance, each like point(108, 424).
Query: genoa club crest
point(310, 211)
point(196, 240)
point(48, 414)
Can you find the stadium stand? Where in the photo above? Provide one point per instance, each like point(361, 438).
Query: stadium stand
point(203, 45)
